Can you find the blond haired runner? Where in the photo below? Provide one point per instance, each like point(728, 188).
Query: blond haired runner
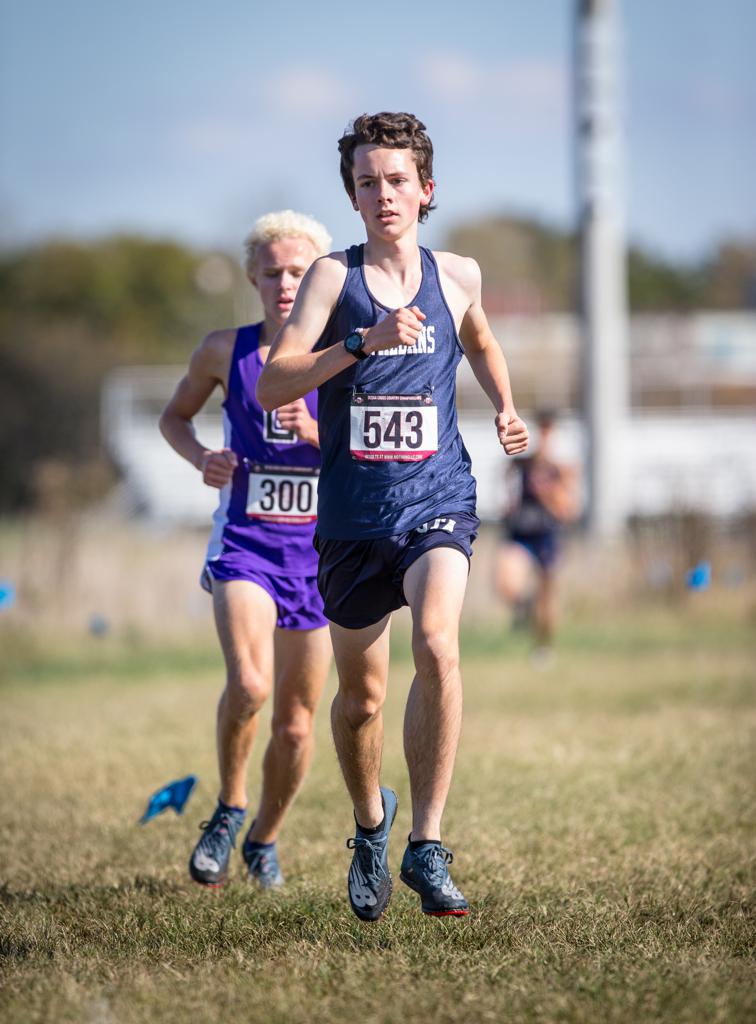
point(261, 565)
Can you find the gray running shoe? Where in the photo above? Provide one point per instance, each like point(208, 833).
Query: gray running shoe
point(426, 871)
point(262, 864)
point(369, 881)
point(208, 864)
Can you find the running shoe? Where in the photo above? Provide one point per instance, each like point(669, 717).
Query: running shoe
point(369, 881)
point(262, 864)
point(208, 864)
point(426, 870)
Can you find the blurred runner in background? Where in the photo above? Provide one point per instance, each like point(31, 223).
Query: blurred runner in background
point(544, 499)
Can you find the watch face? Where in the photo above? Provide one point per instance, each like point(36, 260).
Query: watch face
point(353, 343)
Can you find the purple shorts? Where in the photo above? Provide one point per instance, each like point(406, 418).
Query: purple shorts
point(363, 580)
point(297, 599)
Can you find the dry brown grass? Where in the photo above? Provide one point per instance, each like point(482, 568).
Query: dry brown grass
point(601, 816)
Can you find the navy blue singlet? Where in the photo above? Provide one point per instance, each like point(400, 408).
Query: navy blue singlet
point(391, 454)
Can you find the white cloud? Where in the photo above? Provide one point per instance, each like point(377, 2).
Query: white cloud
point(531, 86)
point(299, 90)
point(209, 135)
point(713, 98)
point(450, 76)
point(262, 106)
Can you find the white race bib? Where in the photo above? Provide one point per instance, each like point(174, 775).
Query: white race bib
point(393, 428)
point(282, 494)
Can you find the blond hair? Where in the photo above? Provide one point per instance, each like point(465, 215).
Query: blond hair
point(284, 224)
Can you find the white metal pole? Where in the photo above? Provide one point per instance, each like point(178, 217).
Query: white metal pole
point(603, 293)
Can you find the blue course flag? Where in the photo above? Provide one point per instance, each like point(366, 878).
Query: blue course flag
point(7, 595)
point(699, 577)
point(174, 795)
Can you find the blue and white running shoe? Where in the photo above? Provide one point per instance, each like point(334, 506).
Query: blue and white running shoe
point(262, 864)
point(369, 880)
point(208, 864)
point(426, 871)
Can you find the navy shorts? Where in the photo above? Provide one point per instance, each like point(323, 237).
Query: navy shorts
point(544, 547)
point(298, 603)
point(363, 580)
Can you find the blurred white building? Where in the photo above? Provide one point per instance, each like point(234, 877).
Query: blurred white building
point(689, 443)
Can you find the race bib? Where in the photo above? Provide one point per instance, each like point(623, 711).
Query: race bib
point(393, 428)
point(282, 494)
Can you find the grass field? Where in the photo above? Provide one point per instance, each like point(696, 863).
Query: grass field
point(602, 819)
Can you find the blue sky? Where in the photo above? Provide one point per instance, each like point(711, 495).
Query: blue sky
point(172, 118)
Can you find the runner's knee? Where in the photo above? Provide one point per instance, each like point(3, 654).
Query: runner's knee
point(247, 690)
point(436, 653)
point(293, 731)
point(360, 707)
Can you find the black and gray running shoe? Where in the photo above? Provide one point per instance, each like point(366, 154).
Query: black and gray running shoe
point(426, 870)
point(208, 864)
point(369, 881)
point(262, 864)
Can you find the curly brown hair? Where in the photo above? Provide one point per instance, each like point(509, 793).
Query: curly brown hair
point(391, 131)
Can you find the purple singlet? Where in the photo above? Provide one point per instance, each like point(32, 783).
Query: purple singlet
point(265, 520)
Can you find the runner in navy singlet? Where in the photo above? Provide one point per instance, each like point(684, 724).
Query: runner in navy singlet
point(379, 330)
point(544, 499)
point(261, 565)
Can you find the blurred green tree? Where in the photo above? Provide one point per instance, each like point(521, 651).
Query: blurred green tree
point(531, 267)
point(72, 310)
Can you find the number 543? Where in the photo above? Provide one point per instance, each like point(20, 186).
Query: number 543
point(399, 430)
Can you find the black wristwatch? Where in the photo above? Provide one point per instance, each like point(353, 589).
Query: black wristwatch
point(354, 343)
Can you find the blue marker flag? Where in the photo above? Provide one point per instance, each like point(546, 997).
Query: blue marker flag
point(7, 595)
point(174, 795)
point(699, 577)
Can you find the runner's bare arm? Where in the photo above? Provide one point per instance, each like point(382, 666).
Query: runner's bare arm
point(208, 368)
point(485, 356)
point(292, 368)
